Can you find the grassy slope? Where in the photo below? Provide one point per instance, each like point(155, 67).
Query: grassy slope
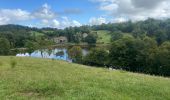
point(36, 33)
point(34, 79)
point(103, 36)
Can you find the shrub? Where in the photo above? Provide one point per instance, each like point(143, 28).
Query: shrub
point(4, 46)
point(96, 57)
point(75, 53)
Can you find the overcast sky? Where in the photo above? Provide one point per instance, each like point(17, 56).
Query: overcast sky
point(65, 13)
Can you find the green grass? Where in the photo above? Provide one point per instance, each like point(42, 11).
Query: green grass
point(103, 36)
point(36, 33)
point(45, 79)
point(47, 31)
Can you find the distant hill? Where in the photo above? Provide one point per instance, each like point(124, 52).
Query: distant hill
point(159, 30)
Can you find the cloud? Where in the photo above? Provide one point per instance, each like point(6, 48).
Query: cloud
point(55, 24)
point(61, 24)
point(45, 22)
point(119, 20)
point(136, 9)
point(148, 4)
point(13, 15)
point(4, 20)
point(43, 17)
point(44, 12)
point(97, 21)
point(109, 7)
point(66, 22)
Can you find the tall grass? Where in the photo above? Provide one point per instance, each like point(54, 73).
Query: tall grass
point(47, 79)
point(1, 63)
point(13, 63)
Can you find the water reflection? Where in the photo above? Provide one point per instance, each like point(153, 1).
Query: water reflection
point(57, 53)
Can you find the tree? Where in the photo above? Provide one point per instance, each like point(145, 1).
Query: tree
point(91, 39)
point(128, 53)
point(31, 46)
point(116, 36)
point(96, 57)
point(43, 42)
point(75, 53)
point(122, 52)
point(161, 36)
point(4, 46)
point(159, 59)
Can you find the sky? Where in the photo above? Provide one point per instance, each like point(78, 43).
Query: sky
point(65, 13)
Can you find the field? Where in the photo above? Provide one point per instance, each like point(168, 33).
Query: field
point(36, 33)
point(45, 79)
point(103, 36)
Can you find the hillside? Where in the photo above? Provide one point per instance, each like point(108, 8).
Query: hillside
point(104, 36)
point(45, 79)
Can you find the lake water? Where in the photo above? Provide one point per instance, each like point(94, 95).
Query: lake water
point(57, 53)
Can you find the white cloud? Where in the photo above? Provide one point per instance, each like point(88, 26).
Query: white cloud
point(119, 20)
point(44, 17)
point(109, 7)
point(13, 15)
point(4, 20)
point(97, 21)
point(136, 9)
point(44, 12)
point(62, 23)
point(76, 23)
point(45, 21)
point(55, 24)
point(66, 22)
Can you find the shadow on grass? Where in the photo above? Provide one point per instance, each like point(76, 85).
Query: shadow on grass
point(43, 90)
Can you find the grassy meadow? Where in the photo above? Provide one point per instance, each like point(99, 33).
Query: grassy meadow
point(45, 79)
point(103, 36)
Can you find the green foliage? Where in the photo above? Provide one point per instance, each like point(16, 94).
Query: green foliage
point(76, 54)
point(36, 34)
point(4, 46)
point(43, 42)
point(96, 57)
point(31, 46)
point(137, 46)
point(159, 59)
point(116, 36)
point(103, 36)
point(78, 38)
point(60, 53)
point(91, 38)
point(140, 55)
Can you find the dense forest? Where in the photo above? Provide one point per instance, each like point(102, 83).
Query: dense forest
point(142, 46)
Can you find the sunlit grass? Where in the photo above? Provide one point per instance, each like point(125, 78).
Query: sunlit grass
point(45, 79)
point(103, 36)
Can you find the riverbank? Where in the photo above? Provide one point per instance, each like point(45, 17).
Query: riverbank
point(81, 45)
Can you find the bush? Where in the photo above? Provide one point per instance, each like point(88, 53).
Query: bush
point(75, 53)
point(91, 39)
point(96, 57)
point(4, 46)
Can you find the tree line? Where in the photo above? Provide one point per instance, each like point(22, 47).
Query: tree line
point(141, 46)
point(129, 53)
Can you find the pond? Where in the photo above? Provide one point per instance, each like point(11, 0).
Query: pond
point(56, 53)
